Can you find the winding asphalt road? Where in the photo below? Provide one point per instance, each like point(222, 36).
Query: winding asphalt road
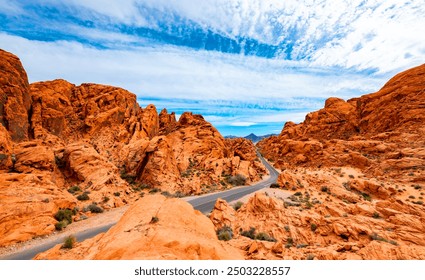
point(203, 203)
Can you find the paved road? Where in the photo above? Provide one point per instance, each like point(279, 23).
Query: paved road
point(206, 203)
point(203, 203)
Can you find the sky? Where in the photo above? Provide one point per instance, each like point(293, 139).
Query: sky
point(247, 66)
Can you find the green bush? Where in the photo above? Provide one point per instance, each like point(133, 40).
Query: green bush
point(166, 194)
point(366, 197)
point(289, 242)
point(61, 225)
point(74, 189)
point(64, 214)
point(117, 193)
point(94, 208)
point(154, 220)
point(275, 186)
point(69, 242)
point(249, 233)
point(83, 197)
point(264, 236)
point(237, 180)
point(313, 227)
point(238, 205)
point(225, 233)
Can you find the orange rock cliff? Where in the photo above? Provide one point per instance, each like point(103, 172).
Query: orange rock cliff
point(351, 183)
point(64, 146)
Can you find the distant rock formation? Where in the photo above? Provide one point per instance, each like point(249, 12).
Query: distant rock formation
point(254, 138)
point(96, 142)
point(380, 133)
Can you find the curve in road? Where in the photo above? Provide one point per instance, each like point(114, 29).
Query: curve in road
point(204, 204)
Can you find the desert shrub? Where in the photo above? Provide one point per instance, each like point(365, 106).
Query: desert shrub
point(117, 193)
point(310, 257)
point(366, 197)
point(249, 233)
point(238, 205)
point(264, 236)
point(154, 190)
point(154, 220)
point(287, 228)
point(74, 189)
point(313, 227)
point(69, 242)
point(298, 194)
point(376, 215)
point(83, 197)
point(61, 225)
point(105, 199)
point(225, 233)
point(94, 208)
point(324, 189)
point(166, 194)
point(237, 180)
point(131, 179)
point(178, 194)
point(275, 186)
point(64, 214)
point(289, 242)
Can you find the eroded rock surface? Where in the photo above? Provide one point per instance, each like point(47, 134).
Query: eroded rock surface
point(95, 146)
point(155, 228)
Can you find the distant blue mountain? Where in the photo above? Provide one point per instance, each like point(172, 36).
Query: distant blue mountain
point(254, 138)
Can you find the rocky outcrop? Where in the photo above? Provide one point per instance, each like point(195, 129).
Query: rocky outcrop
point(28, 204)
point(373, 132)
point(167, 122)
point(356, 172)
point(5, 149)
point(15, 100)
point(154, 228)
point(323, 231)
point(96, 142)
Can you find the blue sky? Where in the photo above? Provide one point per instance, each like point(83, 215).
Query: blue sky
point(246, 65)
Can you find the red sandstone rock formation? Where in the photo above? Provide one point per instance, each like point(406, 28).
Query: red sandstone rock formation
point(380, 133)
point(15, 100)
point(324, 231)
point(357, 171)
point(153, 228)
point(97, 141)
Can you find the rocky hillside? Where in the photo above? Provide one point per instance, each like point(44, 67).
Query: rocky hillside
point(356, 172)
point(92, 147)
point(381, 133)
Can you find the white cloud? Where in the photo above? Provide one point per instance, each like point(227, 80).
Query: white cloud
point(243, 123)
point(166, 72)
point(10, 7)
point(361, 34)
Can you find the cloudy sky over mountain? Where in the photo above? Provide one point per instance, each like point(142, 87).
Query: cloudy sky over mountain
point(246, 65)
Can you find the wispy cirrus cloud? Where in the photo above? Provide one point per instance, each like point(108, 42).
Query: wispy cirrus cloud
point(247, 65)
